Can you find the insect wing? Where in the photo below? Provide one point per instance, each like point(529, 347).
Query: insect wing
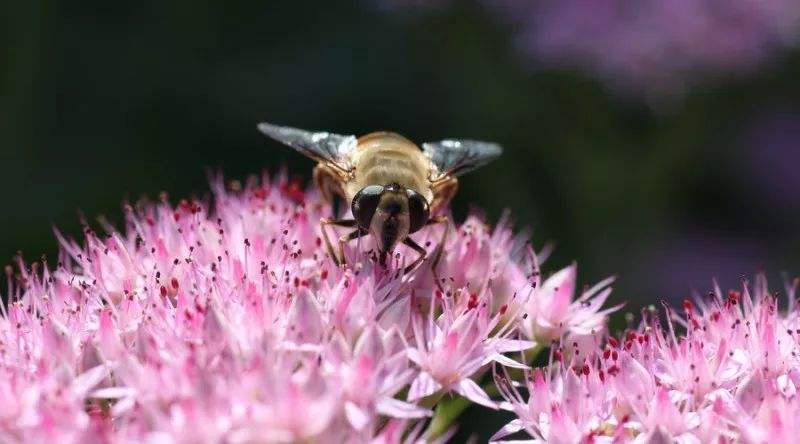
point(332, 149)
point(456, 157)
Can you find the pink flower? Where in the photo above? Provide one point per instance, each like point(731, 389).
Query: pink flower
point(732, 376)
point(225, 320)
point(551, 312)
point(451, 348)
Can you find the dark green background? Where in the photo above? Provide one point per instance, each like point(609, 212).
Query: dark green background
point(102, 101)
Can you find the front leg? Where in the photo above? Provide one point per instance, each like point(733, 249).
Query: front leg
point(416, 247)
point(347, 238)
point(423, 254)
point(323, 223)
point(437, 255)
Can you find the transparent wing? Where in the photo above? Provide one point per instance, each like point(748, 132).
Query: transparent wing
point(332, 149)
point(456, 157)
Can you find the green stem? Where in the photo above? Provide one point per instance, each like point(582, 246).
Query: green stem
point(446, 413)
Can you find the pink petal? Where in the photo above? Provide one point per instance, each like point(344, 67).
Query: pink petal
point(470, 390)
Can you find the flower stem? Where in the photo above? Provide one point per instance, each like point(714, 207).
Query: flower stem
point(446, 413)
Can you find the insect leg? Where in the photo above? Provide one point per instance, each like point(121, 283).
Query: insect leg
point(416, 247)
point(347, 238)
point(382, 257)
point(437, 255)
point(323, 223)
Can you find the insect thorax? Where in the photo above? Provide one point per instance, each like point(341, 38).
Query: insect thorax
point(385, 158)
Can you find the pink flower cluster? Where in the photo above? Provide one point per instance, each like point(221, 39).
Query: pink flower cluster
point(731, 376)
point(223, 320)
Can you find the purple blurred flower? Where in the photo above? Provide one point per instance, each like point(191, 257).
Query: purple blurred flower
point(770, 156)
point(227, 322)
point(656, 48)
point(732, 376)
point(653, 47)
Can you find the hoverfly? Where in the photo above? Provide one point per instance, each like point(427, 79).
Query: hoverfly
point(394, 188)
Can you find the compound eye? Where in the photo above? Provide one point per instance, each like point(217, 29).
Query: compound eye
point(364, 204)
point(418, 211)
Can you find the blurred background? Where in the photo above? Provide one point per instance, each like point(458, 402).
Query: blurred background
point(659, 141)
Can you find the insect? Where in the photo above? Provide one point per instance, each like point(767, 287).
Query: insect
point(394, 188)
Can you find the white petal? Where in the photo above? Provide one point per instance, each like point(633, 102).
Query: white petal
point(786, 386)
point(508, 429)
point(356, 416)
point(423, 385)
point(113, 392)
point(88, 379)
point(512, 345)
point(517, 441)
point(400, 409)
point(508, 362)
point(470, 390)
point(414, 356)
point(122, 406)
point(505, 405)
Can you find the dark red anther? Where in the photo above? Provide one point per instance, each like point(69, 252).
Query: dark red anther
point(606, 353)
point(602, 375)
point(296, 282)
point(174, 283)
point(586, 369)
point(293, 189)
point(324, 274)
point(688, 305)
point(613, 370)
point(260, 193)
point(163, 291)
point(473, 301)
point(558, 355)
point(503, 309)
point(613, 342)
